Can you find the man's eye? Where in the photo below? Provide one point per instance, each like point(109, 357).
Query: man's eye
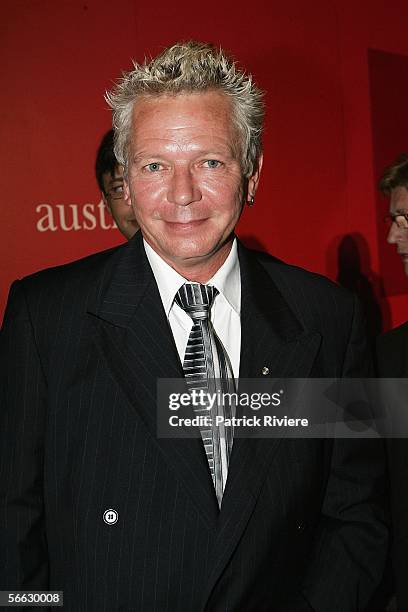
point(153, 167)
point(118, 189)
point(213, 163)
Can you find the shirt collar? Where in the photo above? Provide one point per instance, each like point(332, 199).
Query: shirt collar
point(168, 280)
point(227, 279)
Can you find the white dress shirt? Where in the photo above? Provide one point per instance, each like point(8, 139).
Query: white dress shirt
point(226, 309)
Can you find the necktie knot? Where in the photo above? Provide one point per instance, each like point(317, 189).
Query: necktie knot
point(196, 299)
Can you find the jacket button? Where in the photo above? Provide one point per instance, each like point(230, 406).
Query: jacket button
point(265, 371)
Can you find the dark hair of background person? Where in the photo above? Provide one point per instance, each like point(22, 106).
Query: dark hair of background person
point(395, 175)
point(105, 159)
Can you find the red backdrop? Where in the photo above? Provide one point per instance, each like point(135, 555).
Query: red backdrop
point(327, 135)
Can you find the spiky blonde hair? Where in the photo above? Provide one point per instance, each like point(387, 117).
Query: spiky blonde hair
point(190, 67)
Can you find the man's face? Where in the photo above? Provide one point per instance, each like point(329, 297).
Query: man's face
point(185, 180)
point(120, 209)
point(397, 235)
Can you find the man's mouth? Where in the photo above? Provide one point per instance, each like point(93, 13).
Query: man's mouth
point(185, 225)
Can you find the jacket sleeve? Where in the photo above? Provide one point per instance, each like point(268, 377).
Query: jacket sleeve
point(23, 546)
point(352, 542)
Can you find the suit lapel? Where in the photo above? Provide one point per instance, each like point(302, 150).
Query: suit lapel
point(134, 337)
point(271, 337)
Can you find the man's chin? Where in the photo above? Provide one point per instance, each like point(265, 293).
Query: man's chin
point(186, 251)
point(189, 253)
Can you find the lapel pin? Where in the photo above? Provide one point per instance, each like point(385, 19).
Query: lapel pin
point(265, 371)
point(110, 516)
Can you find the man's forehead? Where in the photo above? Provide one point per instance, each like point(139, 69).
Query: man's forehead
point(111, 180)
point(182, 109)
point(399, 199)
point(116, 175)
point(202, 121)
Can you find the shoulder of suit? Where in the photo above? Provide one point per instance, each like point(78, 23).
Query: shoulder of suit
point(55, 294)
point(74, 285)
point(316, 301)
point(81, 269)
point(284, 273)
point(398, 334)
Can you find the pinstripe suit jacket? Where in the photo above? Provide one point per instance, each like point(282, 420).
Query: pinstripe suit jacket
point(301, 525)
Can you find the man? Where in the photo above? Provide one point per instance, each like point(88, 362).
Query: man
point(94, 502)
point(393, 346)
point(109, 175)
point(392, 360)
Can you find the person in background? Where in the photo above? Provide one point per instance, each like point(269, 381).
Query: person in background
point(393, 346)
point(109, 175)
point(392, 362)
point(394, 183)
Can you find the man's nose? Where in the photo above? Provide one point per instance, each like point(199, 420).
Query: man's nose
point(395, 233)
point(183, 188)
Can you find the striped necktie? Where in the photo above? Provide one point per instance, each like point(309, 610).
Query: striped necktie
point(207, 367)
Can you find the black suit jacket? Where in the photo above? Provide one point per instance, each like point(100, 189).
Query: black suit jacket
point(392, 353)
point(301, 525)
point(392, 361)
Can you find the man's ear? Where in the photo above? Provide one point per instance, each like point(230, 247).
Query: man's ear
point(254, 178)
point(105, 201)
